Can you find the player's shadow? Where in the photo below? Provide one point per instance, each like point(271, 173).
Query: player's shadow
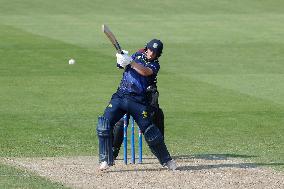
point(189, 158)
point(226, 165)
point(211, 156)
point(207, 165)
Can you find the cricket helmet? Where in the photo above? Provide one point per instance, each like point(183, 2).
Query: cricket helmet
point(156, 46)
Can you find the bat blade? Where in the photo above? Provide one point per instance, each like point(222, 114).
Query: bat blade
point(112, 38)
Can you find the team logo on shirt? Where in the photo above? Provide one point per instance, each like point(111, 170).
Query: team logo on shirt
point(144, 114)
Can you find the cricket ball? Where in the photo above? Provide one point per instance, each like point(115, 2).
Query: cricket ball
point(71, 61)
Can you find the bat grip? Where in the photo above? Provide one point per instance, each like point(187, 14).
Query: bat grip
point(120, 51)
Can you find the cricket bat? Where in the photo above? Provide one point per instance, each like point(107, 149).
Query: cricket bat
point(112, 38)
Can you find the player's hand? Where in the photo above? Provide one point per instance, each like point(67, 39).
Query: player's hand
point(123, 59)
point(118, 65)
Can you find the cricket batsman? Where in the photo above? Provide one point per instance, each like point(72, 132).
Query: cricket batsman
point(140, 72)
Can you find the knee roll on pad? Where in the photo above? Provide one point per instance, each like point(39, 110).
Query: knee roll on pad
point(103, 127)
point(153, 135)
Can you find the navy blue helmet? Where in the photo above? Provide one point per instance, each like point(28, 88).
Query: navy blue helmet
point(156, 46)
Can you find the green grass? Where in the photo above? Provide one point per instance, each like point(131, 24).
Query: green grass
point(15, 178)
point(221, 77)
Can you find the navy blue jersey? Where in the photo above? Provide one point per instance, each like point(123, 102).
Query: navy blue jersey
point(132, 81)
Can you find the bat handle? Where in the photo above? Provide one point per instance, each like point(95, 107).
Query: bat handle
point(120, 51)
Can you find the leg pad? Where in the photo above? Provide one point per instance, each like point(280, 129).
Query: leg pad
point(105, 140)
point(155, 141)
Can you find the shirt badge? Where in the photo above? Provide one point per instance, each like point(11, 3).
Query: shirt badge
point(145, 114)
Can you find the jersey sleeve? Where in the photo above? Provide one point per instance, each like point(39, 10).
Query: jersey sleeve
point(154, 66)
point(134, 55)
point(137, 53)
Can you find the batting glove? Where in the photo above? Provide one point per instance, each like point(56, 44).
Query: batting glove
point(118, 65)
point(123, 59)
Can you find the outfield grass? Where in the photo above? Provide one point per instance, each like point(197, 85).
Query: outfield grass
point(15, 178)
point(221, 80)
